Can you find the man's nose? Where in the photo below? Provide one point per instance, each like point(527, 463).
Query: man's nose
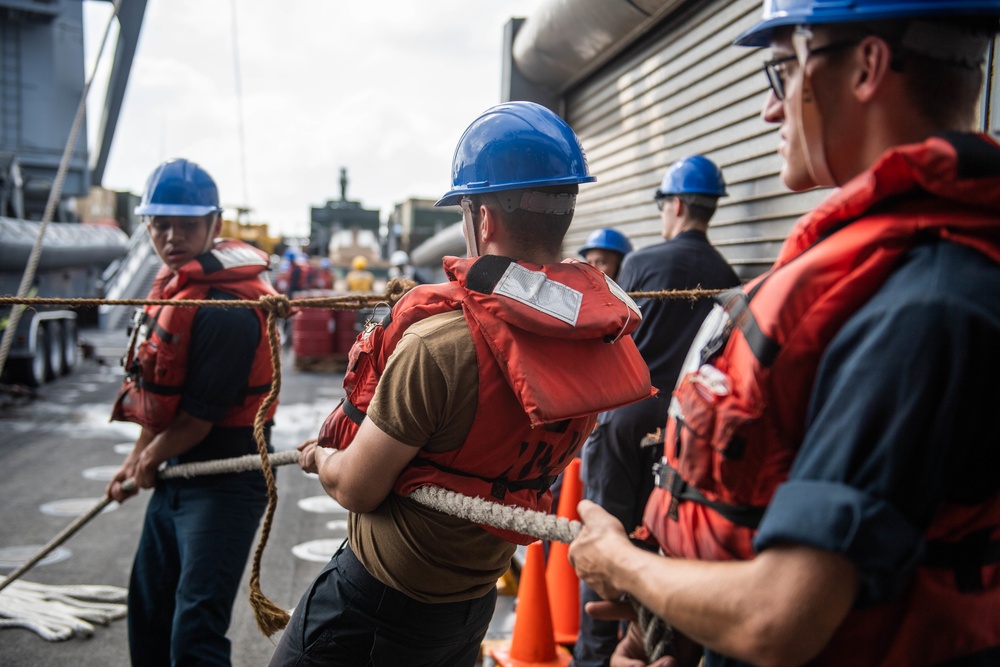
point(773, 110)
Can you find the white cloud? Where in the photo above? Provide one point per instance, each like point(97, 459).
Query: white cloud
point(384, 89)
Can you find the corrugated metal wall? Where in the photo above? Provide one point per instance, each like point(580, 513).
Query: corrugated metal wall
point(683, 90)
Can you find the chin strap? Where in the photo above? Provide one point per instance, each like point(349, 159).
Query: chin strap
point(810, 126)
point(211, 240)
point(469, 229)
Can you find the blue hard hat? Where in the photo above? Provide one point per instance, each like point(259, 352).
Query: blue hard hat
point(606, 239)
point(693, 175)
point(779, 13)
point(179, 187)
point(515, 146)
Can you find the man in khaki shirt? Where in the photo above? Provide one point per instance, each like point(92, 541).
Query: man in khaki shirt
point(472, 398)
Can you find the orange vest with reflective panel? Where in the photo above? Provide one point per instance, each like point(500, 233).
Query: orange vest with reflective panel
point(553, 350)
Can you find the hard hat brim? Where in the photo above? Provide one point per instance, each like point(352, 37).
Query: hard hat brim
point(760, 34)
point(454, 197)
point(183, 210)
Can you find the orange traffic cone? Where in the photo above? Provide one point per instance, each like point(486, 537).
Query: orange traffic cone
point(563, 584)
point(533, 644)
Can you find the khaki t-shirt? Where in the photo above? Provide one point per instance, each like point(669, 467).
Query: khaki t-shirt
point(427, 398)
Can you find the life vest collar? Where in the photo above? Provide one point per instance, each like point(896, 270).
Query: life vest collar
point(570, 299)
point(228, 260)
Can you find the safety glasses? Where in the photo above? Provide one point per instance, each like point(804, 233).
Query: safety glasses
point(661, 201)
point(777, 70)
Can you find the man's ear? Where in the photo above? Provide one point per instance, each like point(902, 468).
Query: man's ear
point(872, 63)
point(678, 206)
point(488, 227)
point(217, 226)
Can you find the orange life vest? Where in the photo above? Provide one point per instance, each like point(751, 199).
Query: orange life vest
point(553, 350)
point(738, 413)
point(157, 359)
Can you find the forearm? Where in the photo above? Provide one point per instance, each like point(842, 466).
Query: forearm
point(330, 474)
point(361, 476)
point(145, 437)
point(773, 610)
point(128, 468)
point(182, 435)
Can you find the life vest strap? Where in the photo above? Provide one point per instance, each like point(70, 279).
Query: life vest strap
point(352, 411)
point(966, 557)
point(161, 389)
point(737, 305)
point(254, 390)
point(163, 334)
point(747, 516)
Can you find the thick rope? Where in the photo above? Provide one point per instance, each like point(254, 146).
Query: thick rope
point(679, 294)
point(656, 634)
point(225, 466)
point(271, 618)
point(527, 522)
point(478, 510)
point(394, 291)
point(351, 302)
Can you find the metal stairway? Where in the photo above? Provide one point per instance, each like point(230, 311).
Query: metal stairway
point(131, 277)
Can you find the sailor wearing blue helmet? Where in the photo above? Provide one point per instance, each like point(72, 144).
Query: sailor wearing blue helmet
point(830, 438)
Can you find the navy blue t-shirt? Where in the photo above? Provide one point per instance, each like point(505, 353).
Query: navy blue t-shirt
point(668, 326)
point(223, 345)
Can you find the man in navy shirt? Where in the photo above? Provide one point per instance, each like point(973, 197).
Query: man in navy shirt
point(617, 470)
point(834, 436)
point(195, 379)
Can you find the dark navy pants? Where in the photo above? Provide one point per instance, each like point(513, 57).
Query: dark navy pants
point(348, 618)
point(187, 570)
point(617, 475)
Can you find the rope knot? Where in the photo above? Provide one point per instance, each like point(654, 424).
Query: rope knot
point(396, 288)
point(277, 304)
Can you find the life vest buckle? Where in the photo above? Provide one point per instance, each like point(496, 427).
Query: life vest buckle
point(667, 478)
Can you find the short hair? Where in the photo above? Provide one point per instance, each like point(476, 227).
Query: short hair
point(944, 87)
point(531, 230)
point(700, 208)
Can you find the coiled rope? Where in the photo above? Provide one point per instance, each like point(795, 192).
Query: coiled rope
point(56, 613)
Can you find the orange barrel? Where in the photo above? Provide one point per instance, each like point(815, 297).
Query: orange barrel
point(345, 330)
point(312, 334)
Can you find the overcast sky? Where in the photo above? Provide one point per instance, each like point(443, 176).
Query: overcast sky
point(384, 88)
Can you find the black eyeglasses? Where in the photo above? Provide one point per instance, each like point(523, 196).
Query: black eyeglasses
point(776, 69)
point(660, 201)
